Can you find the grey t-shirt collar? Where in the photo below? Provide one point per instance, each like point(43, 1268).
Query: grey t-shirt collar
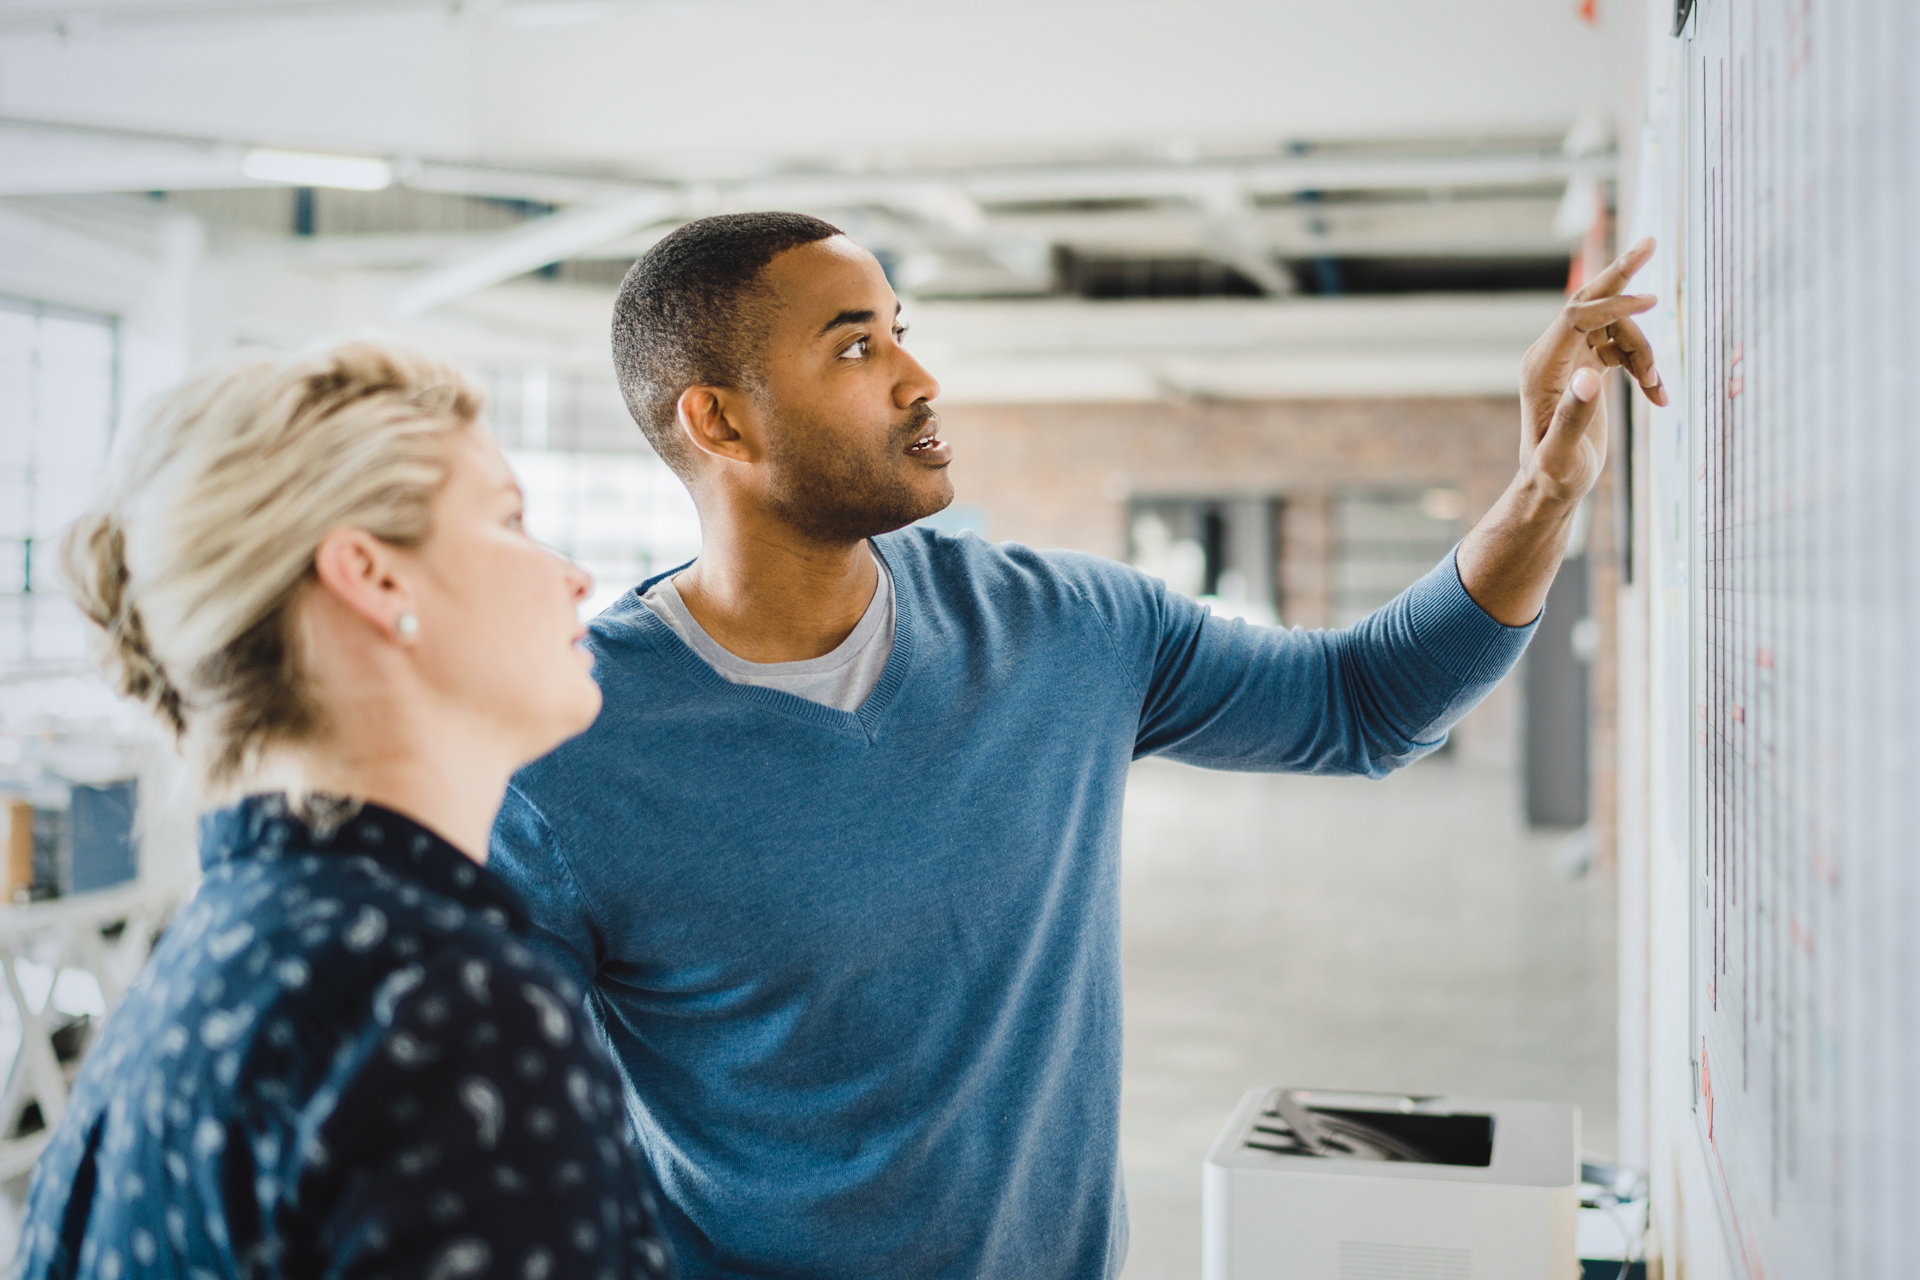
point(842, 678)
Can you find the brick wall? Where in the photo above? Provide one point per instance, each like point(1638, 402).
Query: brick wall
point(1060, 475)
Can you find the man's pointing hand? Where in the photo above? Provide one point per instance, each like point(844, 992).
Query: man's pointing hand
point(1563, 440)
point(1508, 561)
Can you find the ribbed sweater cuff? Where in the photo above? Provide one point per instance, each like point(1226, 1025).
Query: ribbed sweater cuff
point(1468, 642)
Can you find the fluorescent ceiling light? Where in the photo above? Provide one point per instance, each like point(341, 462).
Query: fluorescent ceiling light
point(313, 169)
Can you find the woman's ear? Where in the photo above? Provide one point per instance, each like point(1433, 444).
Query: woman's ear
point(361, 572)
point(711, 420)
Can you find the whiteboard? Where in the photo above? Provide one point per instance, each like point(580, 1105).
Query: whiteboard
point(1796, 458)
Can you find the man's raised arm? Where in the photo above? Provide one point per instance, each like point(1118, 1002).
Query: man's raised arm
point(1508, 561)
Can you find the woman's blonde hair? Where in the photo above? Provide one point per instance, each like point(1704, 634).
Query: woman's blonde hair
point(206, 533)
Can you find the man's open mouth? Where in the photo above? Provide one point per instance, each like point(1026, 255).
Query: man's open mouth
point(929, 438)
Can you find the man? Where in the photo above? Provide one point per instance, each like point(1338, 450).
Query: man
point(839, 860)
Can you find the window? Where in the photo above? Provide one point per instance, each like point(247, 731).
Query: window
point(1222, 551)
point(57, 372)
point(57, 394)
point(1384, 540)
point(595, 490)
point(622, 516)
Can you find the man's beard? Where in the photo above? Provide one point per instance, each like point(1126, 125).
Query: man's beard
point(836, 495)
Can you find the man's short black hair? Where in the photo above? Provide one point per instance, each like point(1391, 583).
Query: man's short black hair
point(687, 316)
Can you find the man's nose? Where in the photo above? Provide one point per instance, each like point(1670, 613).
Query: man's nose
point(914, 383)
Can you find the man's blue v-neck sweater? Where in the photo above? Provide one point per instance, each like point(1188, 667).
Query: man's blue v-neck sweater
point(862, 970)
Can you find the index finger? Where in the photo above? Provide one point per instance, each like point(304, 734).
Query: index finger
point(1618, 272)
point(1601, 312)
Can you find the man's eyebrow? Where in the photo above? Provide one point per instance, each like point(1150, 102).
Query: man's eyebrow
point(845, 318)
point(860, 316)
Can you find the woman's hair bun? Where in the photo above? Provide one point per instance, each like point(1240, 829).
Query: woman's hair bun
point(94, 559)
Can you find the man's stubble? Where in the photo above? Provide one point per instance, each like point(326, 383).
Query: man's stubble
point(834, 494)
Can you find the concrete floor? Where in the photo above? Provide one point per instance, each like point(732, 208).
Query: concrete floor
point(1408, 935)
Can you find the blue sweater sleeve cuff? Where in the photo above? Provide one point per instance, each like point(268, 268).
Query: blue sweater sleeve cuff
point(1464, 639)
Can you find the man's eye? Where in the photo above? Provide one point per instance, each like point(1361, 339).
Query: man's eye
point(517, 522)
point(900, 333)
point(857, 351)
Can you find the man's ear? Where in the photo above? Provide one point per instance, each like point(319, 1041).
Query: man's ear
point(360, 571)
point(714, 421)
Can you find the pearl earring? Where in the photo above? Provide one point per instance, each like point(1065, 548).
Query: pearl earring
point(406, 626)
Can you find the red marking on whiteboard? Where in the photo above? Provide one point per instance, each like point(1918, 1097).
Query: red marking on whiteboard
point(1589, 11)
point(1763, 658)
point(1739, 713)
point(1749, 1248)
point(1802, 938)
point(1823, 867)
point(1736, 381)
point(1706, 1088)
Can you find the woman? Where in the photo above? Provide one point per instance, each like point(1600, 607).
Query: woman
point(342, 1060)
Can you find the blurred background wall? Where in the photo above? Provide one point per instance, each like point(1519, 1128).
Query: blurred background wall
point(1235, 291)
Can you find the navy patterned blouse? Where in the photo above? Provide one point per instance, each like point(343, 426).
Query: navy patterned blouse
point(342, 1061)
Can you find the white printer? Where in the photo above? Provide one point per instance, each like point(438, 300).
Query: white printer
point(1310, 1184)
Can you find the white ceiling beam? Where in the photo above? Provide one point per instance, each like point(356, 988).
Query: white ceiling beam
point(1216, 324)
point(954, 206)
point(1236, 238)
point(950, 195)
point(1229, 348)
point(38, 162)
point(530, 247)
point(1495, 228)
point(1068, 349)
point(86, 17)
point(498, 183)
point(954, 196)
point(1039, 185)
point(1414, 229)
point(1256, 264)
point(1211, 206)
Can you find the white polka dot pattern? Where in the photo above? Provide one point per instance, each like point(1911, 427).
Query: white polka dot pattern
point(341, 1061)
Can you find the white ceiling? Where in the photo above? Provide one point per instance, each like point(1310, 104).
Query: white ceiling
point(724, 87)
point(964, 139)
